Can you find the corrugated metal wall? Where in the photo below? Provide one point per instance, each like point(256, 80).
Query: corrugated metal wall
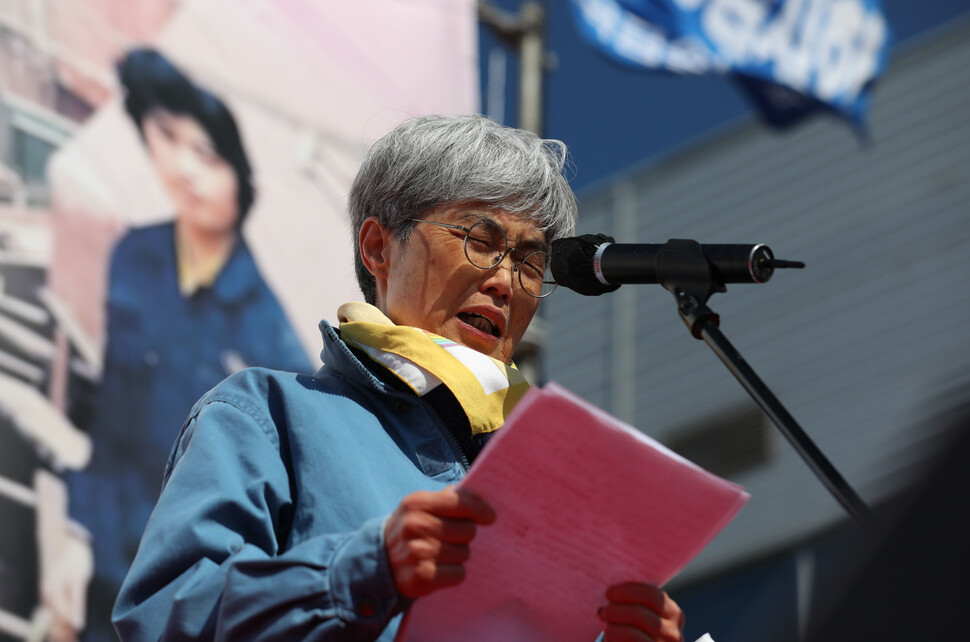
point(864, 347)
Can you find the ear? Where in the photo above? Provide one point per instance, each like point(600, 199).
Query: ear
point(373, 243)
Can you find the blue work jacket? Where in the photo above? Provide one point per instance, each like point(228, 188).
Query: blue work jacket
point(164, 351)
point(270, 520)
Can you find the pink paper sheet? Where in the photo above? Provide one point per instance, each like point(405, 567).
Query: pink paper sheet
point(583, 501)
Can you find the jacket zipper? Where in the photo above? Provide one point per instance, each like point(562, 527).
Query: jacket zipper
point(451, 439)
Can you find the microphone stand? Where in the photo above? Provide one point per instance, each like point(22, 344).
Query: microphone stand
point(683, 270)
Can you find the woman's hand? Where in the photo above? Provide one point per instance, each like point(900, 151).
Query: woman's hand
point(427, 538)
point(640, 613)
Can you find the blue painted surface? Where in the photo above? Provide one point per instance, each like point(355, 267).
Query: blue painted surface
point(614, 118)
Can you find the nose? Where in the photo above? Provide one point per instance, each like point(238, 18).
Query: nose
point(499, 279)
point(186, 162)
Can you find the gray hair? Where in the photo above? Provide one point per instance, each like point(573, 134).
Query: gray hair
point(431, 161)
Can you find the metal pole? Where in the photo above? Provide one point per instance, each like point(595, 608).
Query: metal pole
point(532, 47)
point(525, 32)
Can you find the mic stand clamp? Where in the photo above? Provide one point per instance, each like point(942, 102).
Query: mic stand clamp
point(684, 271)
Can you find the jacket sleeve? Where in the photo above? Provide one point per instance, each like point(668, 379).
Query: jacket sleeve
point(213, 565)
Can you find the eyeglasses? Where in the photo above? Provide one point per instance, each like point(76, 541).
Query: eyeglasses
point(486, 245)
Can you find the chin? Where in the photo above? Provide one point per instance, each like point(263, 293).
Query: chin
point(501, 353)
point(491, 347)
point(490, 351)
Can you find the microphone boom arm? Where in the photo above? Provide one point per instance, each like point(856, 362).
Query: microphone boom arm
point(684, 271)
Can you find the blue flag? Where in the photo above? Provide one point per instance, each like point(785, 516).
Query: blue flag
point(792, 56)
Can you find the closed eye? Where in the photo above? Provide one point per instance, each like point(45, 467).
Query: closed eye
point(534, 268)
point(479, 243)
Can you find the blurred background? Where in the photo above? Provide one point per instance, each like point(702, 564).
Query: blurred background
point(866, 346)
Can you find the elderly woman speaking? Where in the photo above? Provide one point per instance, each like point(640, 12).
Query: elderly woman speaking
point(318, 507)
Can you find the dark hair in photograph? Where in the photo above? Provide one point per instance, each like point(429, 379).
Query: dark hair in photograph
point(151, 81)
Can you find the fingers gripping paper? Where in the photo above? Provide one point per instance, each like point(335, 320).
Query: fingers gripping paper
point(584, 501)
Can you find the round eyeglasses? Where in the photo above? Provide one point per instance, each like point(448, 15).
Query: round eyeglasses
point(486, 245)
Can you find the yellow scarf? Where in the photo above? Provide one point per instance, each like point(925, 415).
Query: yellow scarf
point(486, 388)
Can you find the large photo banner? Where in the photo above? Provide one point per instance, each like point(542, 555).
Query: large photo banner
point(173, 182)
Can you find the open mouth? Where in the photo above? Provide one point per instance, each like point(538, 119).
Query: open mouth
point(479, 322)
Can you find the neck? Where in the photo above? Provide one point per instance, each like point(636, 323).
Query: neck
point(202, 246)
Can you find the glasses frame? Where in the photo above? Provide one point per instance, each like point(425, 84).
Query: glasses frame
point(508, 249)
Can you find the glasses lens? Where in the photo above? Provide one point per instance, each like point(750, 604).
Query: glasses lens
point(536, 276)
point(485, 244)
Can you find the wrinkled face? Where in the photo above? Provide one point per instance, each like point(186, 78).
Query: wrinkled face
point(431, 284)
point(201, 184)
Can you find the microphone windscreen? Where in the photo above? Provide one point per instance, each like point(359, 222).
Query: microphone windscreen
point(572, 264)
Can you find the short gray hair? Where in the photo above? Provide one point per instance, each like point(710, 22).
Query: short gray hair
point(431, 161)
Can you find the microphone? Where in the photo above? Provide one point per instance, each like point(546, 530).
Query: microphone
point(593, 264)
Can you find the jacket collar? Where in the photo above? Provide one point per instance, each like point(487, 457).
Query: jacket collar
point(238, 278)
point(338, 357)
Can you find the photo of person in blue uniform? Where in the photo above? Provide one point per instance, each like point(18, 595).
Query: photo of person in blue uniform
point(186, 307)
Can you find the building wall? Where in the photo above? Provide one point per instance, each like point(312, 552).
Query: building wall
point(864, 347)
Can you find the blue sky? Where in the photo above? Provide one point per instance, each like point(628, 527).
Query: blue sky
point(615, 118)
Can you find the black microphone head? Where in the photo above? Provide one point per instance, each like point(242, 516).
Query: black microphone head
point(572, 264)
